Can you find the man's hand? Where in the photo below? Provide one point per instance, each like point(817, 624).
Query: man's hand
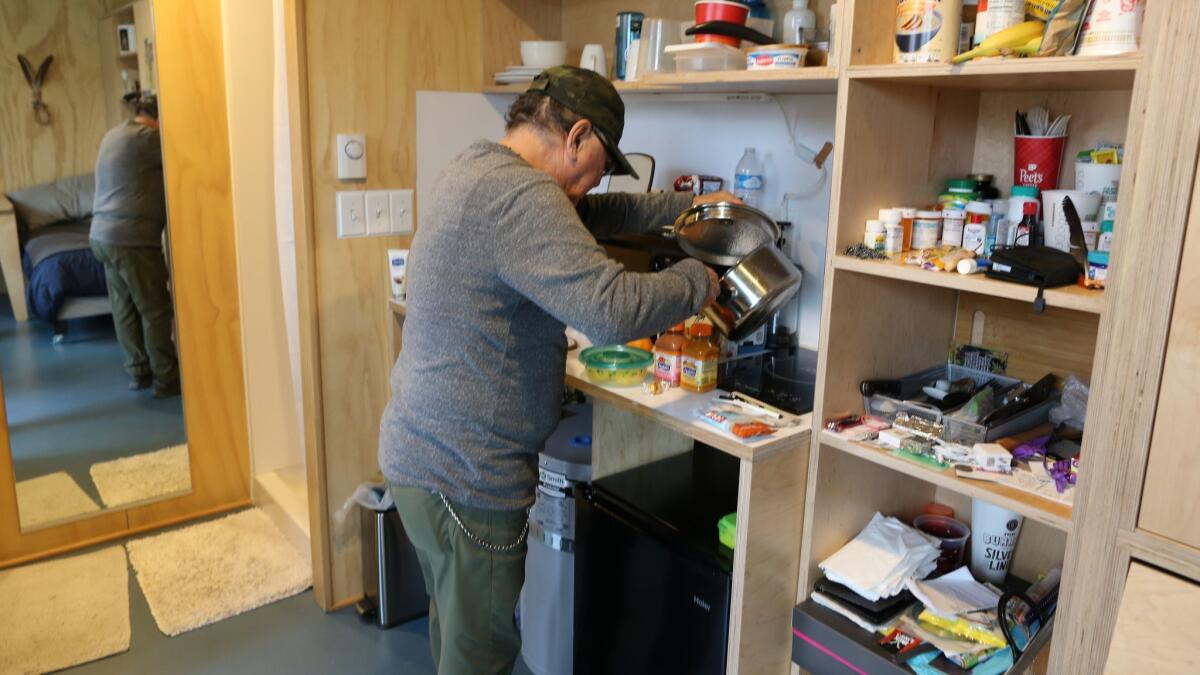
point(722, 196)
point(714, 286)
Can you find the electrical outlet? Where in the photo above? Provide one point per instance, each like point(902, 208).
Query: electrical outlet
point(379, 212)
point(402, 211)
point(352, 215)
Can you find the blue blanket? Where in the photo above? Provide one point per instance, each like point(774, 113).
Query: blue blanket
point(69, 274)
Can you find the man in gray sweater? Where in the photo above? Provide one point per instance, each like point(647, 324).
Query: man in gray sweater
point(505, 258)
point(128, 216)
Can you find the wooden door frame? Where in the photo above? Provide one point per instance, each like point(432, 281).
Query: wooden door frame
point(203, 250)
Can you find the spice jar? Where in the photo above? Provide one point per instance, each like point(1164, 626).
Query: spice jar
point(927, 228)
point(700, 356)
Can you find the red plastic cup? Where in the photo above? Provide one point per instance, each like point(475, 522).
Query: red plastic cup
point(721, 10)
point(1037, 160)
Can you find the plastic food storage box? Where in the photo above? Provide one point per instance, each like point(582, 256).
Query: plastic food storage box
point(707, 56)
point(957, 431)
point(616, 365)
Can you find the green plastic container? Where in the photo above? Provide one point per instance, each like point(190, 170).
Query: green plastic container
point(727, 529)
point(958, 192)
point(616, 365)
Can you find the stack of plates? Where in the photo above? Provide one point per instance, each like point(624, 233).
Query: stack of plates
point(517, 74)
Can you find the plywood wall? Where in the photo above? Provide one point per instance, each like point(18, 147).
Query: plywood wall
point(68, 29)
point(366, 60)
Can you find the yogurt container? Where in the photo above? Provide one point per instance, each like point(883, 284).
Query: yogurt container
point(776, 57)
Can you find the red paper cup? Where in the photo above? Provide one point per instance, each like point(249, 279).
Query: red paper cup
point(721, 10)
point(1037, 160)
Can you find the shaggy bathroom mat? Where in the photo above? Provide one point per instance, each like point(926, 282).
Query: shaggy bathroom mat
point(204, 573)
point(64, 612)
point(145, 477)
point(52, 498)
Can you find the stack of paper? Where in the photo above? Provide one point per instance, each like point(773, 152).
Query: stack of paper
point(954, 594)
point(882, 558)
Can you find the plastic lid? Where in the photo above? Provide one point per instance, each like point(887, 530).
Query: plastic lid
point(1100, 257)
point(961, 184)
point(930, 215)
point(701, 329)
point(954, 214)
point(979, 207)
point(1106, 226)
point(874, 225)
point(907, 212)
point(889, 214)
point(1029, 209)
point(1025, 191)
point(616, 357)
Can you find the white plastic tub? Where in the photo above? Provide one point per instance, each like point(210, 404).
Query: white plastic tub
point(706, 57)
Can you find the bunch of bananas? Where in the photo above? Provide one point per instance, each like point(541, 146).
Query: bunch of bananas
point(1023, 39)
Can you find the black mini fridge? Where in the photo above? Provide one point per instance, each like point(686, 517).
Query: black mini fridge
point(652, 582)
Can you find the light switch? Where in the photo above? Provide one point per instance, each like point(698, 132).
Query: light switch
point(352, 156)
point(352, 215)
point(402, 211)
point(379, 212)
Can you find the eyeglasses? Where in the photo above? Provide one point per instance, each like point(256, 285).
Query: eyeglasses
point(609, 165)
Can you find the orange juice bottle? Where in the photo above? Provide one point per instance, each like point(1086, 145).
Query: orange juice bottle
point(668, 355)
point(700, 358)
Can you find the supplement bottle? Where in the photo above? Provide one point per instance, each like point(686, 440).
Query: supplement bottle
point(700, 356)
point(668, 355)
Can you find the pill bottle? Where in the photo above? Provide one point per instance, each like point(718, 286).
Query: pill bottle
point(958, 192)
point(875, 234)
point(907, 216)
point(927, 228)
point(952, 227)
point(700, 356)
point(893, 241)
point(975, 230)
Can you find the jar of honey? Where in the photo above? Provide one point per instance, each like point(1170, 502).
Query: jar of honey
point(700, 357)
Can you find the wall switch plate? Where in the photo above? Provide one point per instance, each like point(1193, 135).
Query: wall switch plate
point(351, 156)
point(352, 215)
point(402, 211)
point(379, 212)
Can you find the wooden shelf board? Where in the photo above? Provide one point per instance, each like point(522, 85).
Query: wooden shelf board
point(1066, 297)
point(813, 80)
point(1012, 74)
point(1052, 513)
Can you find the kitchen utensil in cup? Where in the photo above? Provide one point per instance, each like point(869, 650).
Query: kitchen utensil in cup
point(1037, 160)
point(594, 59)
point(657, 35)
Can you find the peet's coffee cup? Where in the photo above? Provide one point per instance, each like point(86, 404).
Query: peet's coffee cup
point(994, 532)
point(1037, 160)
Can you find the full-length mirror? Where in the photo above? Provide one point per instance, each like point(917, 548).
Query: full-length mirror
point(87, 332)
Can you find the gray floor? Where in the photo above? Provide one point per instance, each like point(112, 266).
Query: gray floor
point(68, 404)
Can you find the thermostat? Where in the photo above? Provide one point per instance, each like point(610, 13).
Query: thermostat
point(352, 157)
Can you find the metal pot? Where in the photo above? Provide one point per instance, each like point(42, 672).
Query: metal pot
point(753, 290)
point(722, 233)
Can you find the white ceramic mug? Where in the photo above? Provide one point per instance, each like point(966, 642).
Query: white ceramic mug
point(593, 59)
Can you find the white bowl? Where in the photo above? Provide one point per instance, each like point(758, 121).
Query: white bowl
point(543, 53)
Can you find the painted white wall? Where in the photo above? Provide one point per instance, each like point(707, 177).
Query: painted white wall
point(685, 135)
point(249, 74)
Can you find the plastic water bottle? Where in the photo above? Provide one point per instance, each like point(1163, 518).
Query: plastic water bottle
point(748, 179)
point(799, 24)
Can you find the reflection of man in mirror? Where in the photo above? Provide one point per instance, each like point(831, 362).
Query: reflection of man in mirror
point(128, 219)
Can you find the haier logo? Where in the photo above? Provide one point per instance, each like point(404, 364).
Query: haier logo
point(701, 604)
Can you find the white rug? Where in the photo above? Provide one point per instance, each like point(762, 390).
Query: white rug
point(200, 574)
point(64, 612)
point(52, 498)
point(144, 477)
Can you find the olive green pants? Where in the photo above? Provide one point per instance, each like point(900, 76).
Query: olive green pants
point(142, 311)
point(472, 592)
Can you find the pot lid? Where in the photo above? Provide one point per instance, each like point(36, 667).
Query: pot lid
point(722, 233)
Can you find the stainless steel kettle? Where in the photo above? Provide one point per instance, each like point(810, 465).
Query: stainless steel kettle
point(752, 290)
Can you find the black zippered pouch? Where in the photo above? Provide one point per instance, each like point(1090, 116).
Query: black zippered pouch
point(1040, 266)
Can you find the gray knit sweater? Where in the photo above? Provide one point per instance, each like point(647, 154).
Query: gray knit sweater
point(501, 264)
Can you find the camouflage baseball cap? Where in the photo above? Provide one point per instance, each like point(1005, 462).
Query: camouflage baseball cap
point(591, 95)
